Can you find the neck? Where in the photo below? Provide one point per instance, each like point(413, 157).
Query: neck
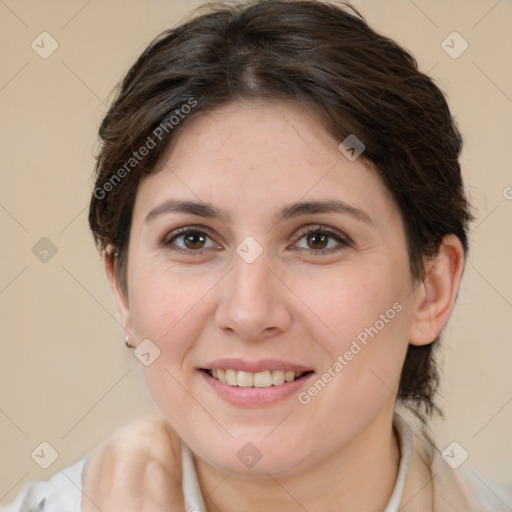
point(359, 476)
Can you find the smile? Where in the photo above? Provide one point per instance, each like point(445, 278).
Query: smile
point(261, 379)
point(255, 383)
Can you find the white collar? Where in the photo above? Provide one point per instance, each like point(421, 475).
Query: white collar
point(194, 499)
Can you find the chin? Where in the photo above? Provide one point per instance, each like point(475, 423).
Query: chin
point(252, 459)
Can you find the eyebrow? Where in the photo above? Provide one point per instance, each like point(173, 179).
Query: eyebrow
point(298, 209)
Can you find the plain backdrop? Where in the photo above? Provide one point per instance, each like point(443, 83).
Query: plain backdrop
point(65, 376)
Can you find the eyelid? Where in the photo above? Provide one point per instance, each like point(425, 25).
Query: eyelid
point(321, 228)
point(175, 233)
point(341, 238)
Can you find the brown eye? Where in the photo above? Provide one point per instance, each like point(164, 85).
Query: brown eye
point(322, 240)
point(189, 240)
point(194, 240)
point(318, 240)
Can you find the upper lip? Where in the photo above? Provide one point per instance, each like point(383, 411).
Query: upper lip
point(255, 366)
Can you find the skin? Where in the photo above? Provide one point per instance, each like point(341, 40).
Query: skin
point(135, 470)
point(298, 301)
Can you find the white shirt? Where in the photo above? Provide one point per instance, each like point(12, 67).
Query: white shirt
point(63, 492)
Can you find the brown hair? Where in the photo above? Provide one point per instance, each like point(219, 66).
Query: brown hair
point(325, 57)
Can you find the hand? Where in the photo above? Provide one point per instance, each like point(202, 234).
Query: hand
point(138, 469)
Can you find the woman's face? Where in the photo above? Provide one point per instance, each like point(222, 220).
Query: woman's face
point(237, 283)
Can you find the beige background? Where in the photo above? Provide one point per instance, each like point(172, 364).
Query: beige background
point(65, 375)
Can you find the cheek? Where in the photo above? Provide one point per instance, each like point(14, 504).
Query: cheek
point(363, 320)
point(164, 303)
point(170, 311)
point(167, 309)
point(344, 303)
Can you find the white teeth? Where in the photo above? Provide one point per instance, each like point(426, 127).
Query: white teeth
point(289, 376)
point(245, 379)
point(278, 377)
point(258, 380)
point(231, 377)
point(262, 380)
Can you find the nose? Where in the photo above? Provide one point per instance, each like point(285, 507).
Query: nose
point(254, 301)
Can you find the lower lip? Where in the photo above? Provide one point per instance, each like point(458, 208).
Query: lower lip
point(255, 397)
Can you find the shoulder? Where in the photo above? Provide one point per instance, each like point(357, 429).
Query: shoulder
point(493, 497)
point(448, 487)
point(61, 493)
point(479, 493)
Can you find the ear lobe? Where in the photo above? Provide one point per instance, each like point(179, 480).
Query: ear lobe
point(436, 295)
point(120, 299)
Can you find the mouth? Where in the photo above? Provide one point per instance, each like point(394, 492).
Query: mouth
point(262, 379)
point(255, 384)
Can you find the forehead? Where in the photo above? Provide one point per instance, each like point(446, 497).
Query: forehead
point(252, 157)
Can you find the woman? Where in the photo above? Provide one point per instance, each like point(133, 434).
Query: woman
point(280, 207)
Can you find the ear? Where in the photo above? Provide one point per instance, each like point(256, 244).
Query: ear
point(120, 298)
point(436, 295)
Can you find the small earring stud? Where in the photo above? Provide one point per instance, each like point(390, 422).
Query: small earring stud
point(127, 342)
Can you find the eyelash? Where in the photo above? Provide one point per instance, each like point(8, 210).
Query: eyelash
point(343, 241)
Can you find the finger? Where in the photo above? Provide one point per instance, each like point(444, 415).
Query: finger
point(92, 478)
point(107, 486)
point(163, 493)
point(139, 462)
